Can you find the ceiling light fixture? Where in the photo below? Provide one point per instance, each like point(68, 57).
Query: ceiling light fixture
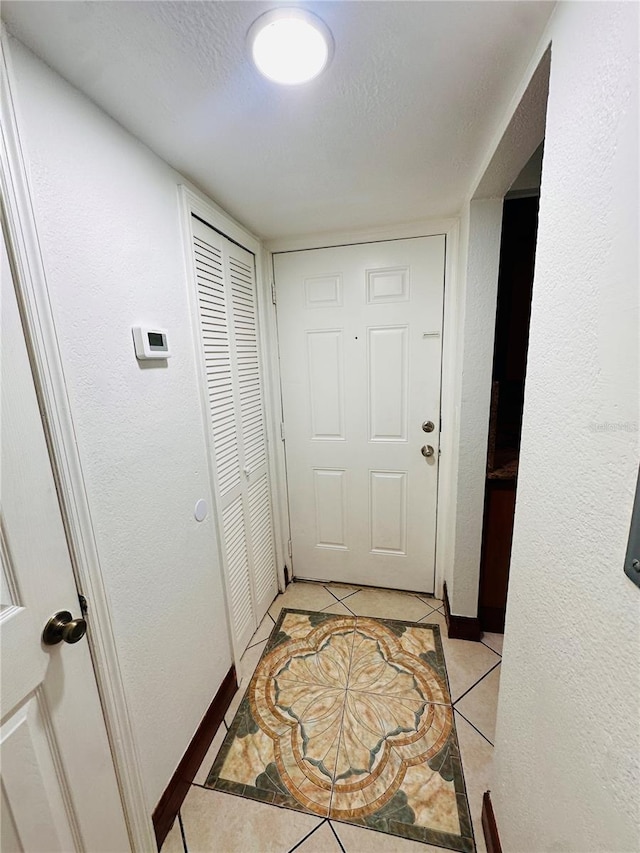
point(290, 46)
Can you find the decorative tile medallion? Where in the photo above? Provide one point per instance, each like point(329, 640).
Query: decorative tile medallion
point(350, 718)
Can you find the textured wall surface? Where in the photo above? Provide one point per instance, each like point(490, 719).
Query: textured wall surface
point(567, 762)
point(479, 288)
point(107, 215)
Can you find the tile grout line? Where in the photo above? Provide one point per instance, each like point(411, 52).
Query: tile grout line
point(308, 835)
point(488, 672)
point(184, 837)
point(330, 593)
point(337, 837)
point(432, 611)
point(351, 594)
point(473, 727)
point(346, 605)
point(493, 650)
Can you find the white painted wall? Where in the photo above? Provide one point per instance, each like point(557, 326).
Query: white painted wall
point(477, 286)
point(567, 759)
point(468, 360)
point(108, 218)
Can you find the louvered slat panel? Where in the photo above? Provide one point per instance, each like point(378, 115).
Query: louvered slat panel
point(243, 302)
point(217, 353)
point(235, 547)
point(264, 566)
point(227, 306)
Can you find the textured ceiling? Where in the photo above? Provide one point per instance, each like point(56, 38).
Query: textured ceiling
point(394, 131)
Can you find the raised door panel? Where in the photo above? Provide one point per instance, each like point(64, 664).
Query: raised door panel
point(330, 489)
point(35, 798)
point(388, 507)
point(326, 384)
point(388, 379)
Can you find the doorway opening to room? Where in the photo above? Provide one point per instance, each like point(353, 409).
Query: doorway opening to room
point(513, 314)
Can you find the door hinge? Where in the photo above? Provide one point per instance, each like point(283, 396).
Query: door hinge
point(282, 430)
point(290, 548)
point(84, 606)
point(273, 292)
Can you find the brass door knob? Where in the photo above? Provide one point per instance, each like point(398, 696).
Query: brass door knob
point(427, 451)
point(63, 627)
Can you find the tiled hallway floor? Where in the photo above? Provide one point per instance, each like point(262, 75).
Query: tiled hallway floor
point(215, 821)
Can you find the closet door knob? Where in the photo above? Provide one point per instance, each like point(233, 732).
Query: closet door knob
point(61, 627)
point(427, 451)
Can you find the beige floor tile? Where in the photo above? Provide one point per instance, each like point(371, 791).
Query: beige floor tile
point(216, 821)
point(250, 661)
point(477, 756)
point(432, 602)
point(201, 776)
point(302, 596)
point(247, 666)
point(356, 840)
point(321, 840)
point(338, 608)
point(466, 661)
point(263, 632)
point(341, 590)
point(386, 604)
point(480, 704)
point(173, 841)
point(494, 641)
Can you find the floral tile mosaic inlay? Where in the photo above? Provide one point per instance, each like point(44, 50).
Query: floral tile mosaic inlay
point(350, 718)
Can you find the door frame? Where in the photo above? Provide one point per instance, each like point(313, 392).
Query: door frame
point(18, 220)
point(450, 342)
point(194, 203)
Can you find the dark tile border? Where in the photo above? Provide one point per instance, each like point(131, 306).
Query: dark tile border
point(460, 627)
point(464, 843)
point(489, 825)
point(170, 802)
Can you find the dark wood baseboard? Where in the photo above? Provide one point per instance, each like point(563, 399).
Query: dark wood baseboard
point(167, 809)
point(489, 825)
point(461, 627)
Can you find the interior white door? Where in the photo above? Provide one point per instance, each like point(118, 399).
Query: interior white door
point(360, 350)
point(228, 318)
point(59, 790)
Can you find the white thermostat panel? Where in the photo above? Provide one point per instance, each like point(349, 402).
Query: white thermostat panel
point(150, 343)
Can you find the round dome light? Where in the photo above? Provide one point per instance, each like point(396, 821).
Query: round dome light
point(290, 46)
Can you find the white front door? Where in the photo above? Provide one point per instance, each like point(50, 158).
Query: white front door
point(59, 790)
point(360, 349)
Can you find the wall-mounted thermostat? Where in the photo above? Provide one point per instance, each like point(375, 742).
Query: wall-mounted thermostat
point(150, 343)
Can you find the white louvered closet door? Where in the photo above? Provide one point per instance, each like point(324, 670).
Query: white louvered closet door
point(227, 307)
